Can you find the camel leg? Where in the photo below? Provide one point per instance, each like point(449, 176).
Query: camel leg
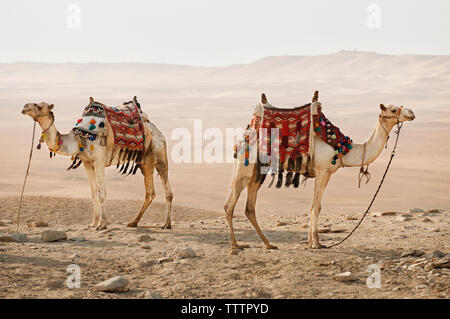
point(163, 171)
point(99, 169)
point(321, 182)
point(237, 187)
point(92, 181)
point(147, 171)
point(250, 211)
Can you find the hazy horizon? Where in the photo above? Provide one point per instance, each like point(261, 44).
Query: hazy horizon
point(210, 33)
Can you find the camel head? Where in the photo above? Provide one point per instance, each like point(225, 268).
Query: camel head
point(394, 113)
point(35, 110)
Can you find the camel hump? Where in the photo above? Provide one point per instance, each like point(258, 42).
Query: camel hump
point(316, 96)
point(263, 99)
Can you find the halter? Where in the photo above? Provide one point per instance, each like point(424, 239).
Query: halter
point(396, 116)
point(42, 139)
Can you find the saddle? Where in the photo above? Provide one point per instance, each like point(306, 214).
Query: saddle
point(294, 147)
point(126, 122)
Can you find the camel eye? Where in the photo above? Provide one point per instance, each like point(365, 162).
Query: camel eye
point(394, 111)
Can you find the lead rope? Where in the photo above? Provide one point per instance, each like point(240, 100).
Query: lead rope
point(26, 176)
point(397, 132)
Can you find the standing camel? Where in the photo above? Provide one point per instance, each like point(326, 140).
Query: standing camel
point(322, 169)
point(102, 155)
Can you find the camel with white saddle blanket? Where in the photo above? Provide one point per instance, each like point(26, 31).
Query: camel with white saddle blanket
point(105, 136)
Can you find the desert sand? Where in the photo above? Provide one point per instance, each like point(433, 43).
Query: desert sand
point(351, 85)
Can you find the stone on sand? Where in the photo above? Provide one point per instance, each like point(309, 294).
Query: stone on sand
point(412, 253)
point(144, 238)
point(114, 284)
point(53, 235)
point(416, 210)
point(389, 213)
point(345, 276)
point(350, 217)
point(13, 238)
point(184, 252)
point(38, 223)
point(149, 295)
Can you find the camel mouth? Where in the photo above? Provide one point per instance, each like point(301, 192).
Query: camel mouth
point(410, 118)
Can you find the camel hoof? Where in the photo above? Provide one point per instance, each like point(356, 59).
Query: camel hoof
point(100, 227)
point(315, 246)
point(271, 247)
point(132, 224)
point(167, 226)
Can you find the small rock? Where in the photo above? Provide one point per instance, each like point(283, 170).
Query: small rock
point(400, 237)
point(74, 256)
point(376, 214)
point(389, 213)
point(38, 223)
point(184, 252)
point(115, 284)
point(435, 211)
point(436, 230)
point(164, 259)
point(426, 220)
point(345, 276)
point(336, 231)
point(281, 224)
point(403, 219)
point(13, 238)
point(351, 217)
point(416, 210)
point(149, 295)
point(78, 239)
point(53, 235)
point(144, 238)
point(149, 263)
point(418, 287)
point(443, 263)
point(438, 254)
point(324, 230)
point(5, 222)
point(413, 253)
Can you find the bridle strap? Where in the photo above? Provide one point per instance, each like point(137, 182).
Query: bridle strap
point(397, 116)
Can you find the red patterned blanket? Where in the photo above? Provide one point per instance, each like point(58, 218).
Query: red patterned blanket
point(293, 130)
point(127, 125)
point(293, 125)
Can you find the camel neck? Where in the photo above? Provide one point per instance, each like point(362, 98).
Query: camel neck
point(69, 144)
point(372, 148)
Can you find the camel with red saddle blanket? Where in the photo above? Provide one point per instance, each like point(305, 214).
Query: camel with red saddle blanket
point(304, 143)
point(105, 136)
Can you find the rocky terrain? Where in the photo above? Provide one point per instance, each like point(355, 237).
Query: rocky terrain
point(193, 260)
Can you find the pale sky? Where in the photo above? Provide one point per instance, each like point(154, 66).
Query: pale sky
point(212, 32)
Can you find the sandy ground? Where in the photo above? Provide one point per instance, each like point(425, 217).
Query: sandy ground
point(351, 84)
point(35, 269)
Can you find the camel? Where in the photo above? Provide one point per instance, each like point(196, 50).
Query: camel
point(103, 155)
point(359, 156)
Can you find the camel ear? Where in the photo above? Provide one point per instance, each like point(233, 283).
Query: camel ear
point(263, 99)
point(91, 100)
point(135, 99)
point(382, 107)
point(50, 107)
point(315, 97)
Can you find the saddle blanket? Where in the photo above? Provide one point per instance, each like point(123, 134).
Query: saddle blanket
point(293, 135)
point(125, 121)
